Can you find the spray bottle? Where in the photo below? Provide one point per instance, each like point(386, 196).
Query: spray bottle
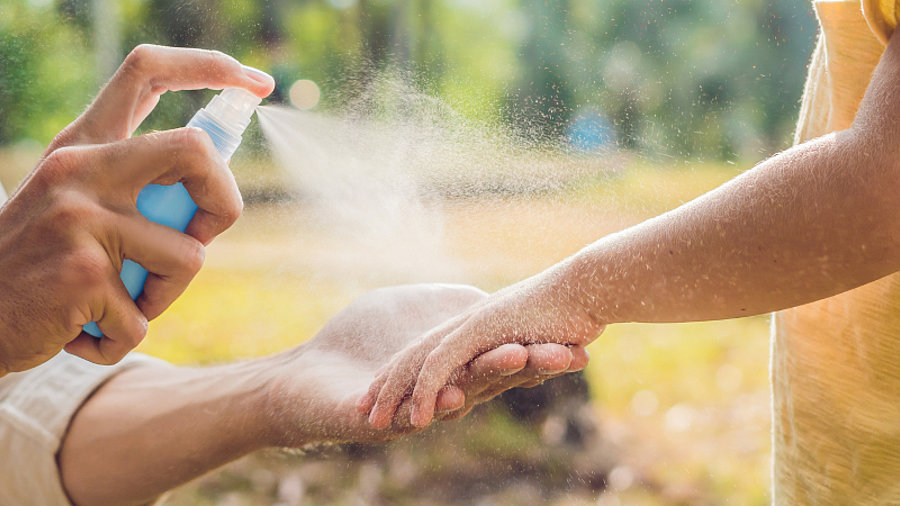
point(225, 118)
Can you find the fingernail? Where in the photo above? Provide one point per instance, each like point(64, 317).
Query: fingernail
point(257, 75)
point(510, 372)
point(547, 372)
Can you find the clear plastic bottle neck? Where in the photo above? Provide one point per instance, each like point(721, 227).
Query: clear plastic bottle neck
point(226, 117)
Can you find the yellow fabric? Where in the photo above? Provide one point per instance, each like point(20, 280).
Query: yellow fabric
point(881, 15)
point(836, 363)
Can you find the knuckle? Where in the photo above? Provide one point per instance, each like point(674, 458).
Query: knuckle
point(193, 140)
point(232, 211)
point(222, 60)
point(186, 146)
point(195, 151)
point(193, 256)
point(68, 136)
point(69, 211)
point(91, 269)
point(59, 165)
point(135, 338)
point(138, 59)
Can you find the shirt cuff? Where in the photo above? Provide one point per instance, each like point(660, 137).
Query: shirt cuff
point(36, 407)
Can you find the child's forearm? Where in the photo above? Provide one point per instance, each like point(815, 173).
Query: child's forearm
point(806, 224)
point(818, 219)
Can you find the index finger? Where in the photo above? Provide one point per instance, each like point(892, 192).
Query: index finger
point(148, 72)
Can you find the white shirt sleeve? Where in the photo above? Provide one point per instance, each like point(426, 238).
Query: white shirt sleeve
point(36, 407)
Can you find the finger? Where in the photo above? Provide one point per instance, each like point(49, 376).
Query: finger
point(548, 358)
point(532, 378)
point(398, 427)
point(148, 72)
point(172, 259)
point(400, 423)
point(502, 361)
point(545, 361)
point(122, 324)
point(184, 155)
point(367, 401)
point(398, 385)
point(580, 358)
point(205, 225)
point(433, 375)
point(491, 367)
point(450, 398)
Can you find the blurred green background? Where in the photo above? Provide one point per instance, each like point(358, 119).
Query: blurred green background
point(684, 94)
point(691, 78)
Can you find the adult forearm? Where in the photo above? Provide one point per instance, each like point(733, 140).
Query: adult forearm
point(152, 428)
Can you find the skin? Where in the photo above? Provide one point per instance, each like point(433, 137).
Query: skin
point(152, 428)
point(68, 227)
point(808, 223)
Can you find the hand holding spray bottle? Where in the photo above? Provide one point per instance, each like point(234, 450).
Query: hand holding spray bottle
point(225, 118)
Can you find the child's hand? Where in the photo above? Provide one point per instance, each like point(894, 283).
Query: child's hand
point(533, 311)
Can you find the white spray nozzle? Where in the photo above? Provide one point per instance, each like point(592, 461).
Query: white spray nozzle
point(233, 108)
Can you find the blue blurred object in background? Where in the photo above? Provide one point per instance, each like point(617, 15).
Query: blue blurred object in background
point(589, 131)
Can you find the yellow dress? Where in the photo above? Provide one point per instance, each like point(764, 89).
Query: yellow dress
point(836, 363)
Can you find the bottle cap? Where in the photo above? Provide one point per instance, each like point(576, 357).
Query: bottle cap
point(233, 109)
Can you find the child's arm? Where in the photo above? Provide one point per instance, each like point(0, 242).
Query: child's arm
point(806, 224)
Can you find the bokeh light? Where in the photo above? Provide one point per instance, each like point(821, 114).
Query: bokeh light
point(304, 94)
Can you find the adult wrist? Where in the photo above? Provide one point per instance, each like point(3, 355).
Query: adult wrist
point(284, 406)
point(249, 401)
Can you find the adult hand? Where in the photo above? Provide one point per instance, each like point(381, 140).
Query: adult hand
point(533, 312)
point(68, 227)
point(319, 383)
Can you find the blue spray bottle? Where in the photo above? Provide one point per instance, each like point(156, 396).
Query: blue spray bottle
point(225, 118)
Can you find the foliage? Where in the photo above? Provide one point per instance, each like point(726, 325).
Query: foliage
point(45, 73)
point(692, 78)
